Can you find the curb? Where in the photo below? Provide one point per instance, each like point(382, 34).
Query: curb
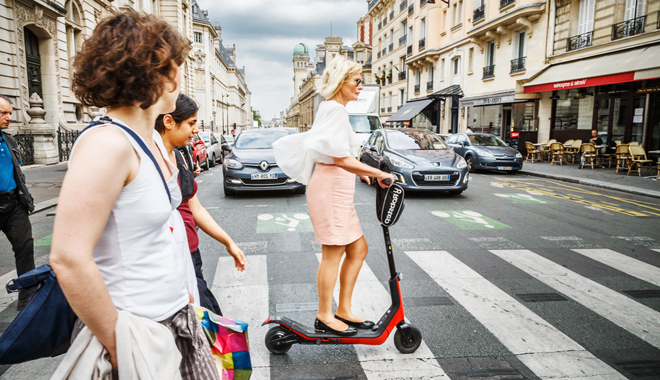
point(45, 205)
point(601, 184)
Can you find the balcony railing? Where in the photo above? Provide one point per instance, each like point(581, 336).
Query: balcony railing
point(382, 109)
point(489, 72)
point(384, 51)
point(402, 75)
point(391, 47)
point(417, 89)
point(402, 40)
point(380, 25)
point(422, 43)
point(504, 3)
point(389, 109)
point(628, 28)
point(378, 55)
point(518, 65)
point(411, 9)
point(478, 14)
point(409, 49)
point(580, 41)
point(404, 5)
point(429, 85)
point(391, 15)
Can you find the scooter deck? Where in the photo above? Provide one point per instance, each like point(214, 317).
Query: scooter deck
point(312, 334)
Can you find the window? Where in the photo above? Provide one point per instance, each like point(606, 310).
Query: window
point(430, 73)
point(198, 37)
point(418, 77)
point(456, 71)
point(422, 27)
point(411, 35)
point(402, 66)
point(391, 36)
point(490, 54)
point(458, 13)
point(519, 48)
point(402, 96)
point(470, 60)
point(634, 9)
point(586, 16)
point(389, 101)
point(404, 28)
point(442, 69)
point(360, 56)
point(444, 20)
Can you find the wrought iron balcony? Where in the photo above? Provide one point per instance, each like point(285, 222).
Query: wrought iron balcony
point(417, 89)
point(391, 15)
point(389, 109)
point(628, 28)
point(411, 9)
point(409, 50)
point(384, 52)
point(391, 47)
point(422, 43)
point(404, 5)
point(479, 14)
point(402, 40)
point(402, 75)
point(580, 41)
point(378, 55)
point(429, 85)
point(380, 25)
point(382, 109)
point(504, 3)
point(518, 64)
point(489, 72)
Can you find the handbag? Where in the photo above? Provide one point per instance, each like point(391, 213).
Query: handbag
point(43, 327)
point(229, 344)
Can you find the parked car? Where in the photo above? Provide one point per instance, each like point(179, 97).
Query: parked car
point(213, 147)
point(418, 158)
point(223, 142)
point(200, 154)
point(250, 164)
point(484, 151)
point(229, 139)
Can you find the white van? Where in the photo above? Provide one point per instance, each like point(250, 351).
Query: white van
point(363, 112)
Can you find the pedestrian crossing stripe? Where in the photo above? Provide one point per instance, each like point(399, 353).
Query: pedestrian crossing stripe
point(470, 220)
point(284, 222)
point(524, 198)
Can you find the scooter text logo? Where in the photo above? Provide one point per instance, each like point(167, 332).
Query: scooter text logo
point(396, 192)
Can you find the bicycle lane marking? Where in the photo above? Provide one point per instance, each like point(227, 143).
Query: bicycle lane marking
point(470, 220)
point(284, 222)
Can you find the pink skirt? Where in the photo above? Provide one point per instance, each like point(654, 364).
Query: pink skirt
point(330, 194)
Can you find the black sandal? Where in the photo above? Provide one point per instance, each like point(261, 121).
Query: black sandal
point(322, 327)
point(366, 325)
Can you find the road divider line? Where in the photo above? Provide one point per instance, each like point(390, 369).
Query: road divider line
point(634, 317)
point(545, 350)
point(370, 300)
point(623, 263)
point(244, 296)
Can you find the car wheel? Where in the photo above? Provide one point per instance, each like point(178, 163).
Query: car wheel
point(207, 166)
point(228, 192)
point(213, 160)
point(470, 163)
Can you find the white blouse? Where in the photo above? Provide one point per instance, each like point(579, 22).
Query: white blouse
point(331, 136)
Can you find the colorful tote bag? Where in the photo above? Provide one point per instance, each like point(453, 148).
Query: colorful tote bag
point(229, 343)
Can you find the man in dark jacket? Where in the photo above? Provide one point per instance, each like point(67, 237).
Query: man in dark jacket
point(15, 202)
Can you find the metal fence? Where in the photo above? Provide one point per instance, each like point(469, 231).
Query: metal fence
point(25, 142)
point(65, 140)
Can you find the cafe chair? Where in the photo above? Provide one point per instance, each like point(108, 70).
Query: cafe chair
point(573, 150)
point(639, 159)
point(617, 142)
point(589, 157)
point(622, 156)
point(658, 174)
point(568, 143)
point(545, 148)
point(532, 151)
point(633, 143)
point(557, 153)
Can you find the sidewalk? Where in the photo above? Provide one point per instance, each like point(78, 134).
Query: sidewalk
point(45, 182)
point(599, 177)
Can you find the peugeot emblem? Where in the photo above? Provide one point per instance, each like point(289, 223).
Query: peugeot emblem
point(264, 165)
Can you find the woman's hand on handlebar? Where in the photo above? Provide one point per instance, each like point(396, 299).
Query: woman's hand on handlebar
point(382, 177)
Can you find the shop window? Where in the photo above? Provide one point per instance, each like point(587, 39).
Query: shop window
point(574, 109)
point(486, 119)
point(524, 117)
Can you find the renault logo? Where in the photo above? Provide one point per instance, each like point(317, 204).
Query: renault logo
point(264, 165)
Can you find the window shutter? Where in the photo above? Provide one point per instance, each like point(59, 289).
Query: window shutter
point(586, 16)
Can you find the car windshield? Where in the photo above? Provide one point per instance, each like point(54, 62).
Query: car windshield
point(486, 140)
point(414, 140)
point(364, 123)
point(258, 140)
point(229, 138)
point(204, 136)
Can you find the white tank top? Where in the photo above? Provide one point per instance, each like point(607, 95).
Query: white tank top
point(136, 253)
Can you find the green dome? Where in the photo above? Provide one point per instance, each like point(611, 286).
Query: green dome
point(300, 49)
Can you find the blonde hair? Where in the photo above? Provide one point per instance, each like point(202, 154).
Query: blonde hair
point(336, 74)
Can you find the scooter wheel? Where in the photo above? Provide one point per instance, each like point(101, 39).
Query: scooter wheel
point(408, 347)
point(273, 343)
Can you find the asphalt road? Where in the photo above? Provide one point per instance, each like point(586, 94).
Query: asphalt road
point(517, 278)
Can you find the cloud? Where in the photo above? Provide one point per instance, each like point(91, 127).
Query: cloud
point(266, 32)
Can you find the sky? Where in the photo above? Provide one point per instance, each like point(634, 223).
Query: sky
point(266, 32)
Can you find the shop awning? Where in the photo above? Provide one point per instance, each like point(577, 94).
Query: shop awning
point(627, 66)
point(447, 92)
point(410, 110)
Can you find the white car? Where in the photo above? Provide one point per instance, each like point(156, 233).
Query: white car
point(213, 147)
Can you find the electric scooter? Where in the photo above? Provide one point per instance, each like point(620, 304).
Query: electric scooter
point(407, 339)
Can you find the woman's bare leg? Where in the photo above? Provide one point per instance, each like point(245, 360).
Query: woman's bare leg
point(356, 252)
point(326, 279)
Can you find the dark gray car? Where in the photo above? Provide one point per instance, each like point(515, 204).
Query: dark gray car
point(487, 152)
point(418, 158)
point(250, 165)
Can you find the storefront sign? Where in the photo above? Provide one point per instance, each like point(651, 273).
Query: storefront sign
point(488, 101)
point(584, 82)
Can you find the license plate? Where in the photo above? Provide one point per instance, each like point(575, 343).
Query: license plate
point(264, 176)
point(504, 168)
point(436, 177)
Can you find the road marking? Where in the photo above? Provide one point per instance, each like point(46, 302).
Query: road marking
point(244, 296)
point(495, 242)
point(616, 307)
point(280, 222)
point(253, 246)
point(545, 350)
point(625, 264)
point(411, 243)
point(639, 240)
point(44, 241)
point(469, 220)
point(370, 300)
point(524, 198)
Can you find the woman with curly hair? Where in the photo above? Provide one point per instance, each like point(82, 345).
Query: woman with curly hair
point(333, 146)
point(112, 247)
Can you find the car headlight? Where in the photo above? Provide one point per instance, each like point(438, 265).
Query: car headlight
point(401, 164)
point(518, 155)
point(461, 163)
point(485, 153)
point(233, 164)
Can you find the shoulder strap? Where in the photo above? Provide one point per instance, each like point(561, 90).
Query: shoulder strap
point(138, 139)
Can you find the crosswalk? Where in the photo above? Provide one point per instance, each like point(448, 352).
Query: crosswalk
point(487, 292)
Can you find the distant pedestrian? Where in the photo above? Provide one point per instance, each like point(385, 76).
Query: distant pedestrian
point(468, 130)
point(15, 202)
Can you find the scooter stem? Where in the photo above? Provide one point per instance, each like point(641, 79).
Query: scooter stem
point(390, 255)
